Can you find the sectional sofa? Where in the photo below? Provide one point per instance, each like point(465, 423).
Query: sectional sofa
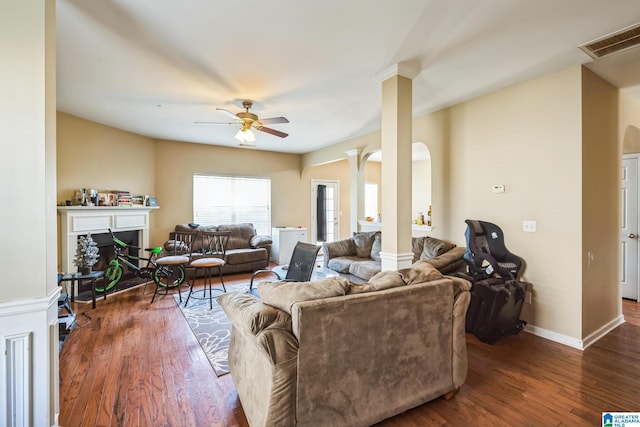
point(245, 252)
point(334, 353)
point(358, 257)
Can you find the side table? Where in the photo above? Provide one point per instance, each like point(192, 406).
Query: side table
point(73, 277)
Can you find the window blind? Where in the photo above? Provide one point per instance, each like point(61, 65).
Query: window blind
point(232, 200)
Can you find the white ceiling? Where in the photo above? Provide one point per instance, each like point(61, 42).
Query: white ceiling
point(154, 67)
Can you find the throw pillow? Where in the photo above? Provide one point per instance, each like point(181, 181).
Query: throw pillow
point(376, 248)
point(176, 247)
point(383, 280)
point(284, 295)
point(259, 241)
point(433, 247)
point(364, 242)
point(420, 271)
point(417, 246)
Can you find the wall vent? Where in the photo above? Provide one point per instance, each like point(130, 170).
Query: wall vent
point(614, 42)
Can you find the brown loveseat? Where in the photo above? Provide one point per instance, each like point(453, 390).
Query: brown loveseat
point(245, 250)
point(359, 255)
point(333, 353)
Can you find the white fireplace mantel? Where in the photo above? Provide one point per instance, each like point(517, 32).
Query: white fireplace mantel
point(79, 220)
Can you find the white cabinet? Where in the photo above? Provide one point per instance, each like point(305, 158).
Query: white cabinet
point(284, 240)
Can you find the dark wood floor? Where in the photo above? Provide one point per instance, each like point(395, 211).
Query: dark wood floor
point(131, 363)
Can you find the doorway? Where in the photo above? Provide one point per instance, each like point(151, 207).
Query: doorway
point(629, 228)
point(325, 211)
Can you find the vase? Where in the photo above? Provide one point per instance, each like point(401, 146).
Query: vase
point(86, 270)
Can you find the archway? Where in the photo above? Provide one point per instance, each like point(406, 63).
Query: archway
point(421, 180)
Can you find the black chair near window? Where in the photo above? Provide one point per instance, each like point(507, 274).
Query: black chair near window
point(299, 269)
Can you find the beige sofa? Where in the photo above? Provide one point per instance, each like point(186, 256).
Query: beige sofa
point(245, 252)
point(358, 257)
point(333, 353)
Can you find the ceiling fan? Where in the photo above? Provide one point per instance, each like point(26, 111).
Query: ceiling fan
point(246, 121)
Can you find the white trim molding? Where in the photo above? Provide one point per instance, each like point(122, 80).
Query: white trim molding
point(18, 369)
point(580, 344)
point(79, 220)
point(29, 339)
point(404, 70)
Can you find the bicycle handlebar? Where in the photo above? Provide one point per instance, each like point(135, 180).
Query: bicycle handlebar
point(116, 240)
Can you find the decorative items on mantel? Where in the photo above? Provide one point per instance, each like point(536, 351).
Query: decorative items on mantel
point(92, 197)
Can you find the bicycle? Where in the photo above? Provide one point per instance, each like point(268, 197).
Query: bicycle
point(164, 276)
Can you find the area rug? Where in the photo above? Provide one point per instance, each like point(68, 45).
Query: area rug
point(211, 327)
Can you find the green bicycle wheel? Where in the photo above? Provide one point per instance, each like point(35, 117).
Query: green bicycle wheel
point(168, 276)
point(112, 276)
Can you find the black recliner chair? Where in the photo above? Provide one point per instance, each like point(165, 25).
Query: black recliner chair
point(487, 254)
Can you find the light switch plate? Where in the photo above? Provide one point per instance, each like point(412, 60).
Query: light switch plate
point(529, 226)
point(499, 188)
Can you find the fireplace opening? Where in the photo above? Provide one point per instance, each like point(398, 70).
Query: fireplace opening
point(107, 252)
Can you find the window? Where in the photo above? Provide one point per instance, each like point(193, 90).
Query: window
point(232, 200)
point(371, 200)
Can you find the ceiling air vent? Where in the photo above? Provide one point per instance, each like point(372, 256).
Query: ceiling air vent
point(614, 42)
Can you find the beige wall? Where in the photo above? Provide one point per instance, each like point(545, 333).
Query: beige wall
point(629, 123)
point(176, 162)
point(92, 155)
point(373, 174)
point(528, 138)
point(27, 149)
point(601, 160)
point(420, 187)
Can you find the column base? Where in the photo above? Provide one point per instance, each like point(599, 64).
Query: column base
point(395, 262)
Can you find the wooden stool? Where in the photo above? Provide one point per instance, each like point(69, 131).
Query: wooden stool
point(207, 264)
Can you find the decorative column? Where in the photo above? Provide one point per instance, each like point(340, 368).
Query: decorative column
point(397, 120)
point(356, 179)
point(29, 300)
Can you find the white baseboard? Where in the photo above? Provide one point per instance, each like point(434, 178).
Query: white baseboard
point(571, 341)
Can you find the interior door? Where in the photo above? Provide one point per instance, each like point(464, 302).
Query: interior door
point(325, 211)
point(629, 228)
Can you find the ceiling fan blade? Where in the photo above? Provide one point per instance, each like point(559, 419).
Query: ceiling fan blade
point(273, 120)
point(214, 123)
point(228, 113)
point(273, 132)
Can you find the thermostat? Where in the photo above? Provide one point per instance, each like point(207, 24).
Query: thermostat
point(499, 188)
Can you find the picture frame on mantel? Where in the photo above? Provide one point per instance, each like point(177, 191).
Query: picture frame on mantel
point(152, 202)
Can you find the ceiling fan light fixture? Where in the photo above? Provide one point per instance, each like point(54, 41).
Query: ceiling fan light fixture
point(245, 135)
